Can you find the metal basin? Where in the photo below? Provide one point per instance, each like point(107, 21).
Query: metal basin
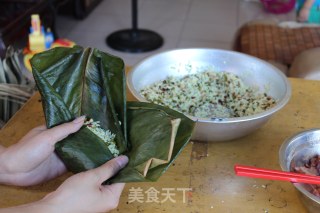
point(253, 71)
point(298, 149)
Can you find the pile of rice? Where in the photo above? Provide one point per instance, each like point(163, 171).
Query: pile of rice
point(208, 95)
point(106, 135)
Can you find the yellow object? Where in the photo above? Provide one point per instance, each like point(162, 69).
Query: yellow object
point(36, 36)
point(37, 42)
point(35, 24)
point(26, 60)
point(28, 52)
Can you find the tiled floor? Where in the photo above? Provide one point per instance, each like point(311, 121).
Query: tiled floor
point(182, 23)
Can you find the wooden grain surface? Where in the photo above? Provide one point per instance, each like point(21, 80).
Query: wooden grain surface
point(206, 168)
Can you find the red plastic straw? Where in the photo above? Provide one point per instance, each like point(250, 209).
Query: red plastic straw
point(250, 171)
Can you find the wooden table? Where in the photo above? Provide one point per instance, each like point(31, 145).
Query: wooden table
point(206, 168)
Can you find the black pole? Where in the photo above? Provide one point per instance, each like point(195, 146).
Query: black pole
point(134, 40)
point(134, 14)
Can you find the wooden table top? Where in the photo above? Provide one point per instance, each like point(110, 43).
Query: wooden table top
point(206, 168)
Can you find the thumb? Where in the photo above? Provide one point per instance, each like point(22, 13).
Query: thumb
point(60, 132)
point(110, 168)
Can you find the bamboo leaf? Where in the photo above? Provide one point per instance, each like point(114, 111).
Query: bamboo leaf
point(84, 81)
point(151, 129)
point(71, 84)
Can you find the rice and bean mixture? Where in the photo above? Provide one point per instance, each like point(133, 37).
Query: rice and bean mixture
point(106, 135)
point(208, 95)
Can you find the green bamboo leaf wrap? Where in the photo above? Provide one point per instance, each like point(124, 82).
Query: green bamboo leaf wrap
point(149, 132)
point(86, 81)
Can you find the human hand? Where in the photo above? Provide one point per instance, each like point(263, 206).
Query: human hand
point(83, 192)
point(303, 14)
point(32, 160)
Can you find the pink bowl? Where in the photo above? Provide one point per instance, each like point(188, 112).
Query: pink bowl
point(278, 6)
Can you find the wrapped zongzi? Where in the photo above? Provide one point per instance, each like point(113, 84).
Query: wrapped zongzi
point(86, 81)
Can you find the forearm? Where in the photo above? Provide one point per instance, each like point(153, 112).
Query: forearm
point(36, 207)
point(308, 4)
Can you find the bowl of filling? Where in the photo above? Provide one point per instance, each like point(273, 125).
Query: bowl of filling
point(227, 93)
point(301, 153)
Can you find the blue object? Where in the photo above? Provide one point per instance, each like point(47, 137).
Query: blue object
point(49, 39)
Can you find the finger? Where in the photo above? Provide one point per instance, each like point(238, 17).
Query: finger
point(40, 128)
point(60, 132)
point(114, 189)
point(33, 132)
point(110, 168)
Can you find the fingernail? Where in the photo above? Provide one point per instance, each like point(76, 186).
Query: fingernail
point(122, 160)
point(79, 119)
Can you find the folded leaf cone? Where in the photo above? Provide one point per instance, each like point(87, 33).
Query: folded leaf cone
point(86, 81)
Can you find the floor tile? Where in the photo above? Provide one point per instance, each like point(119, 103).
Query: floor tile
point(103, 23)
point(151, 10)
point(185, 43)
point(165, 28)
point(208, 31)
point(182, 23)
point(218, 11)
point(115, 7)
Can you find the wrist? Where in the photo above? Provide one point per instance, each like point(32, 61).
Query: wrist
point(44, 206)
point(55, 203)
point(35, 207)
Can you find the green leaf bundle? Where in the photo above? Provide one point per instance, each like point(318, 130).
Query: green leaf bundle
point(86, 81)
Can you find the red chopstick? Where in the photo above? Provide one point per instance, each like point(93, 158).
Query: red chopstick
point(254, 172)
